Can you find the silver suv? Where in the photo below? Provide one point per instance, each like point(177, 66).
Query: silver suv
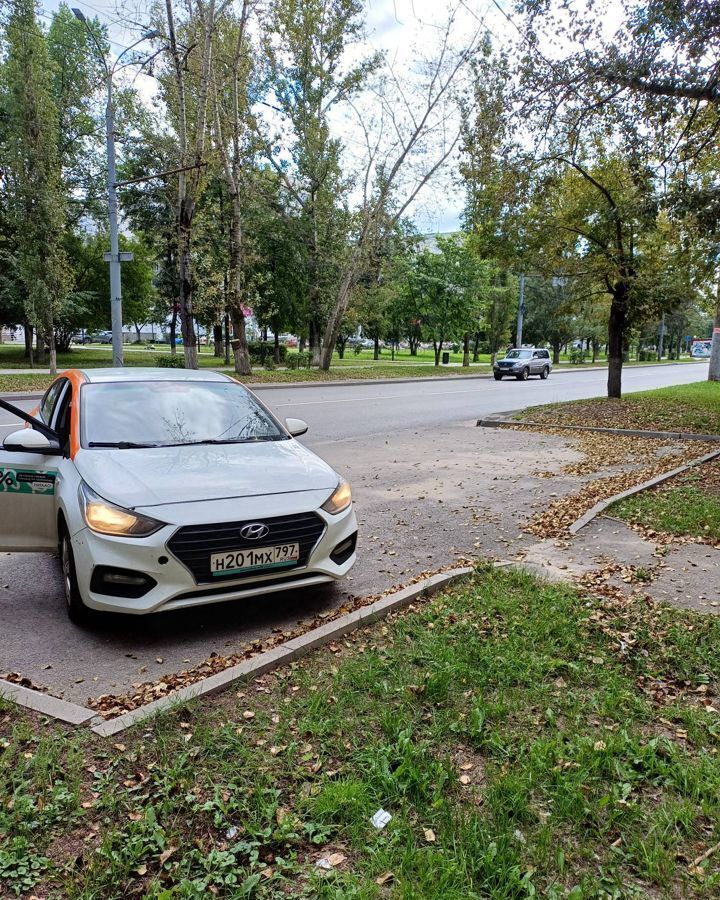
point(523, 363)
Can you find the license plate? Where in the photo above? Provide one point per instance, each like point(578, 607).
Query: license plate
point(233, 562)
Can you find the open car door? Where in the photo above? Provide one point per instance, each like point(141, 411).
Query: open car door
point(30, 459)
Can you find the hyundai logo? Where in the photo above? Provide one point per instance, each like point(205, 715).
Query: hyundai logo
point(254, 532)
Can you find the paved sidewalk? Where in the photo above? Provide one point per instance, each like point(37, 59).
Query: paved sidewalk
point(683, 574)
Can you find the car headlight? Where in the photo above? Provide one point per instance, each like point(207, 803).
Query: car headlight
point(339, 500)
point(106, 518)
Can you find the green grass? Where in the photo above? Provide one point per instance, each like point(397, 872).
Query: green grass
point(689, 407)
point(500, 715)
point(683, 507)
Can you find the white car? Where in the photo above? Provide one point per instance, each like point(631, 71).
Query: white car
point(167, 488)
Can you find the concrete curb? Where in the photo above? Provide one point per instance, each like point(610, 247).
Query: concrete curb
point(283, 654)
point(627, 432)
point(603, 504)
point(45, 704)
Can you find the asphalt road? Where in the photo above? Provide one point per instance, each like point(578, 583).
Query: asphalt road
point(360, 409)
point(430, 488)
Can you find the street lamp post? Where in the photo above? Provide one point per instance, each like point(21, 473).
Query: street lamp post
point(114, 257)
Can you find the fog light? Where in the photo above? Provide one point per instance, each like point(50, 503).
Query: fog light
point(120, 582)
point(344, 550)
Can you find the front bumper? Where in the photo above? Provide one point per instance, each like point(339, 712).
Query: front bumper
point(175, 586)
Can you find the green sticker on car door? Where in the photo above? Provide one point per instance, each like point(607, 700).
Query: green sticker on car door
point(26, 481)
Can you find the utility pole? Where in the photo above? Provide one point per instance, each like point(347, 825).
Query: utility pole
point(521, 312)
point(114, 257)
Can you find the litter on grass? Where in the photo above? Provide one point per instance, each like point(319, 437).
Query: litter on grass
point(380, 819)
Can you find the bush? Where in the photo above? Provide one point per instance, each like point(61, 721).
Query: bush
point(647, 355)
point(170, 362)
point(300, 360)
point(577, 356)
point(255, 349)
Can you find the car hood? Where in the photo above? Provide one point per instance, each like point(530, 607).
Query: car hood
point(162, 475)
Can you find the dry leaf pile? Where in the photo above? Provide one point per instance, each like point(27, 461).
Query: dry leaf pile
point(561, 513)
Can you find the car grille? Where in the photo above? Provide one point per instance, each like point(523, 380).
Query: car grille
point(193, 544)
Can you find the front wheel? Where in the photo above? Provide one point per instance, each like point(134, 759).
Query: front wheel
point(524, 375)
point(497, 376)
point(545, 372)
point(77, 611)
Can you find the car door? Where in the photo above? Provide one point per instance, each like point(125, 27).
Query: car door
point(28, 508)
point(535, 363)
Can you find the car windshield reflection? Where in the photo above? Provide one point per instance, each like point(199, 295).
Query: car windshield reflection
point(173, 413)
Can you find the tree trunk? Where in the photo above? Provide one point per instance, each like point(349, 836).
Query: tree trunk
point(276, 346)
point(52, 355)
point(239, 342)
point(332, 328)
point(239, 345)
point(227, 339)
point(556, 353)
point(173, 330)
point(594, 351)
point(340, 345)
point(714, 370)
point(28, 334)
point(616, 340)
point(476, 348)
point(438, 350)
point(376, 350)
point(218, 341)
point(466, 349)
point(39, 347)
point(316, 348)
point(187, 327)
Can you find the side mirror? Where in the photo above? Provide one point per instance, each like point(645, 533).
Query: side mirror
point(296, 427)
point(26, 440)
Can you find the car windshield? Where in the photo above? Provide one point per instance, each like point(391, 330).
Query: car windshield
point(518, 354)
point(170, 413)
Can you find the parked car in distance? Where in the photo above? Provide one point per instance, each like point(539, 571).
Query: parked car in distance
point(524, 362)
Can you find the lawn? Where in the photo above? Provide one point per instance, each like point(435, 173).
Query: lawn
point(690, 407)
point(689, 505)
point(527, 740)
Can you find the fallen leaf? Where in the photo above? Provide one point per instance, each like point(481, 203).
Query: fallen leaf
point(385, 878)
point(429, 835)
point(166, 854)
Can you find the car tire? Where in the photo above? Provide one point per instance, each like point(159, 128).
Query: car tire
point(77, 611)
point(524, 375)
point(545, 372)
point(497, 376)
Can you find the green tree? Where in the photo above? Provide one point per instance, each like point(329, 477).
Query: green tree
point(307, 49)
point(34, 171)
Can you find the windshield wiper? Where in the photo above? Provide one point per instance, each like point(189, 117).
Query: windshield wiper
point(249, 440)
point(121, 445)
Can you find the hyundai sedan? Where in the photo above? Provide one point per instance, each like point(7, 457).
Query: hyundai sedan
point(161, 489)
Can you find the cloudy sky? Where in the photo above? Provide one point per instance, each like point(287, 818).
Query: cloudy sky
point(400, 28)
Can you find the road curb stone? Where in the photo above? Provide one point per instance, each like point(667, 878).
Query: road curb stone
point(283, 654)
point(46, 704)
point(626, 432)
